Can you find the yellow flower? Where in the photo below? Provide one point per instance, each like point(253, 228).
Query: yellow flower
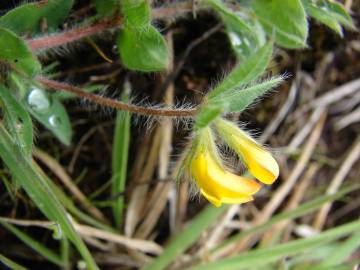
point(260, 162)
point(217, 185)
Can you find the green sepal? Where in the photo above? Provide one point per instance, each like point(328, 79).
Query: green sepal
point(207, 113)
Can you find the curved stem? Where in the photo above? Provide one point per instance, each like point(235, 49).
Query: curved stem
point(118, 105)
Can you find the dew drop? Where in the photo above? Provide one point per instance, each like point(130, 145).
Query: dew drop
point(247, 42)
point(54, 121)
point(235, 39)
point(38, 100)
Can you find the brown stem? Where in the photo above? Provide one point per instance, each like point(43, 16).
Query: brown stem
point(80, 32)
point(47, 42)
point(186, 113)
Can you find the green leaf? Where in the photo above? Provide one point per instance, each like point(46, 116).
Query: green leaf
point(11, 264)
point(105, 7)
point(33, 244)
point(244, 43)
point(187, 237)
point(50, 112)
point(237, 101)
point(339, 11)
point(14, 51)
point(137, 13)
point(332, 14)
point(32, 16)
point(262, 257)
point(240, 29)
point(143, 49)
point(38, 190)
point(247, 71)
point(285, 20)
point(120, 156)
point(17, 120)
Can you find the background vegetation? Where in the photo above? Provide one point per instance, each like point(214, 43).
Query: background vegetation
point(90, 163)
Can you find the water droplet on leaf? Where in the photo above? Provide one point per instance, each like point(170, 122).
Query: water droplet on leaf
point(54, 121)
point(235, 39)
point(38, 101)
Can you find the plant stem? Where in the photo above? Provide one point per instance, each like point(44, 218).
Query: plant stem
point(118, 105)
point(55, 40)
point(62, 38)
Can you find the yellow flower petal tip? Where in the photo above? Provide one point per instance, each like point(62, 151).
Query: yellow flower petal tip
point(219, 186)
point(260, 162)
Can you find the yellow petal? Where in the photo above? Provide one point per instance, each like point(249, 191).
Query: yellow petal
point(239, 200)
point(218, 185)
point(213, 200)
point(217, 202)
point(260, 162)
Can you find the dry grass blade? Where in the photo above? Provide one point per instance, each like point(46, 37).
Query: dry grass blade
point(88, 233)
point(284, 190)
point(336, 94)
point(348, 119)
point(294, 201)
point(279, 196)
point(336, 182)
point(138, 196)
point(219, 231)
point(160, 193)
point(136, 244)
point(281, 114)
point(305, 130)
point(59, 171)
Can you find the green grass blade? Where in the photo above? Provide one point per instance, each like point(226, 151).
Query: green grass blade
point(33, 244)
point(39, 191)
point(120, 157)
point(65, 253)
point(70, 206)
point(16, 116)
point(264, 256)
point(187, 237)
point(341, 253)
point(303, 209)
point(10, 263)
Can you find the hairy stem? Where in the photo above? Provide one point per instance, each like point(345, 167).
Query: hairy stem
point(55, 40)
point(62, 38)
point(167, 112)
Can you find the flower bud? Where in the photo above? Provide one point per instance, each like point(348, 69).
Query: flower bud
point(258, 160)
point(215, 183)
